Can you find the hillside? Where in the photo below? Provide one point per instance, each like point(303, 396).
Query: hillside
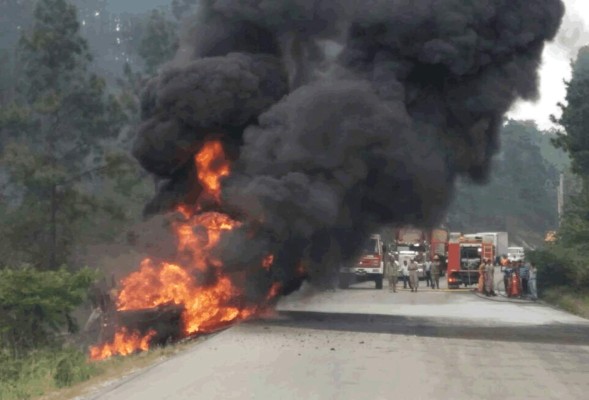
point(521, 194)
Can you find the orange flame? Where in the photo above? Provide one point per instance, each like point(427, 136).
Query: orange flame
point(208, 304)
point(212, 166)
point(274, 290)
point(124, 343)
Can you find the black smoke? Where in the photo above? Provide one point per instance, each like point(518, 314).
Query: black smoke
point(340, 116)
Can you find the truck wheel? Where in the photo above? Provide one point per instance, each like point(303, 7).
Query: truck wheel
point(379, 282)
point(344, 281)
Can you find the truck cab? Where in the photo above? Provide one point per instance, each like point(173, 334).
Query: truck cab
point(369, 267)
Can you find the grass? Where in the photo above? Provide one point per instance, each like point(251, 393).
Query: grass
point(67, 374)
point(576, 303)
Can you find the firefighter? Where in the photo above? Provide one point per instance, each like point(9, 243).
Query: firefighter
point(393, 273)
point(436, 273)
point(489, 279)
point(481, 283)
point(413, 279)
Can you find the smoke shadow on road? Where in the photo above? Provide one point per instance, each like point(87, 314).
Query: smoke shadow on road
point(570, 334)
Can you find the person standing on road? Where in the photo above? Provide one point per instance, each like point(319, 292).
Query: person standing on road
point(524, 274)
point(393, 272)
point(413, 279)
point(428, 273)
point(435, 271)
point(532, 282)
point(506, 278)
point(489, 278)
point(481, 283)
point(405, 270)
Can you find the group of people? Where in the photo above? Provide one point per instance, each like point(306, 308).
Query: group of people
point(409, 274)
point(519, 279)
point(486, 278)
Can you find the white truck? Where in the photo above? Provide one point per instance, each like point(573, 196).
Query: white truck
point(516, 253)
point(500, 241)
point(370, 266)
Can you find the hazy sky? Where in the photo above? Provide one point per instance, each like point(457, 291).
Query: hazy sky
point(574, 33)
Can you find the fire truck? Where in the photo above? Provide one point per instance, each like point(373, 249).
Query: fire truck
point(464, 258)
point(422, 244)
point(369, 267)
point(411, 244)
point(438, 246)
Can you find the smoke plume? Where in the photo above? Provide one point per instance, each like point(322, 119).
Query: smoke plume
point(339, 116)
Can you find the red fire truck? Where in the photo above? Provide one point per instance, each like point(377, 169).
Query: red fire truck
point(464, 258)
point(438, 246)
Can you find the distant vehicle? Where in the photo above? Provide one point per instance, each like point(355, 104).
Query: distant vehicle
point(412, 244)
point(438, 243)
point(370, 266)
point(515, 254)
point(408, 255)
point(464, 258)
point(500, 241)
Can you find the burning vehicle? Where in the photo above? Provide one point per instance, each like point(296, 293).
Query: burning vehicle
point(284, 133)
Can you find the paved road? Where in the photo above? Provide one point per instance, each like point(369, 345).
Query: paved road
point(367, 344)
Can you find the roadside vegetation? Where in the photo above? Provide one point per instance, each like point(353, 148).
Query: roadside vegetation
point(520, 195)
point(67, 180)
point(563, 266)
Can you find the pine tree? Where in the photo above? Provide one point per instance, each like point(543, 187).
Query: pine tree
point(575, 117)
point(58, 128)
point(159, 43)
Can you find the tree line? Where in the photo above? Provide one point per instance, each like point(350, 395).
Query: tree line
point(563, 264)
point(67, 179)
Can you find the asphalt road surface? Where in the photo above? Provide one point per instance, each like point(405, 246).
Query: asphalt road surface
point(363, 343)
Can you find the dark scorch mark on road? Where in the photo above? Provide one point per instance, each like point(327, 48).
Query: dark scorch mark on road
point(573, 334)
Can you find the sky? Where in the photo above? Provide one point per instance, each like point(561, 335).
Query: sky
point(574, 33)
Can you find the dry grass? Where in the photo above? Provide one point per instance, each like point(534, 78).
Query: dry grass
point(576, 303)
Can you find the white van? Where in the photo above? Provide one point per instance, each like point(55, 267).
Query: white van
point(515, 254)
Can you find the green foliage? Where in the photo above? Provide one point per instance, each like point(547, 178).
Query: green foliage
point(62, 131)
point(564, 263)
point(556, 157)
point(40, 371)
point(575, 116)
point(72, 367)
point(159, 43)
point(36, 306)
point(520, 196)
point(53, 52)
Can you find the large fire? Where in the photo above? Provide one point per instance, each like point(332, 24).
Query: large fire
point(206, 306)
